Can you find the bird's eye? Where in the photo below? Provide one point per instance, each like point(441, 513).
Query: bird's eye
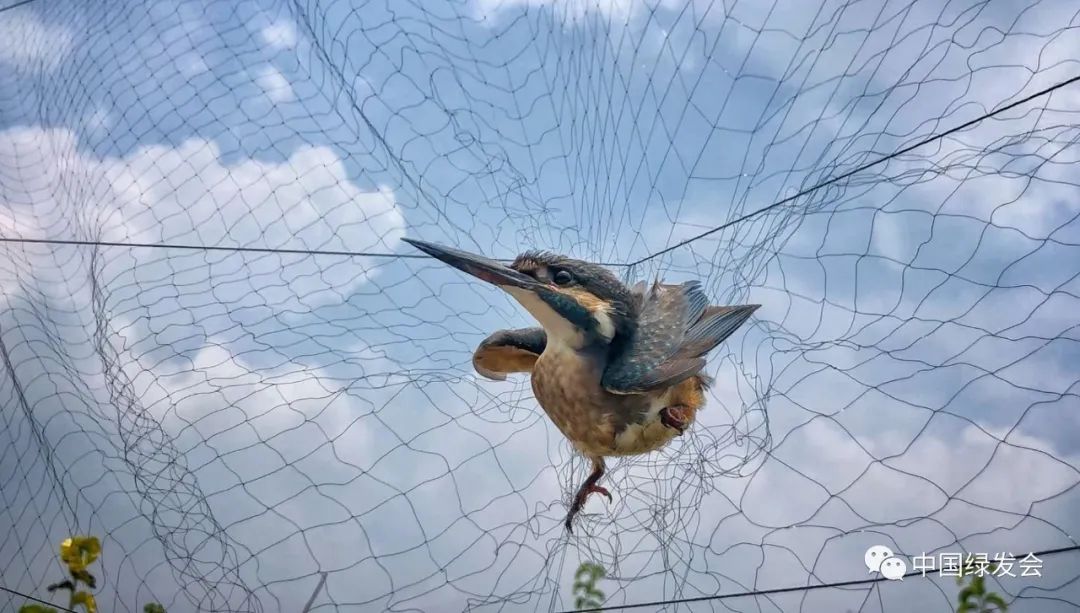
point(563, 277)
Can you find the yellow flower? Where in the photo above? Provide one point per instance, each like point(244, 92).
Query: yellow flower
point(86, 600)
point(79, 551)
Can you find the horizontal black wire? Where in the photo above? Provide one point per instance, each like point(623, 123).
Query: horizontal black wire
point(29, 597)
point(656, 254)
point(663, 251)
point(783, 590)
point(365, 254)
point(669, 249)
point(60, 241)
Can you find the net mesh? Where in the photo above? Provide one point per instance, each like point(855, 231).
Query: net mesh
point(285, 394)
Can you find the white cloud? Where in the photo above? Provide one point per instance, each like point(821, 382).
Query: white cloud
point(28, 210)
point(216, 404)
point(573, 12)
point(276, 86)
point(279, 35)
point(29, 43)
point(566, 10)
point(229, 420)
point(188, 195)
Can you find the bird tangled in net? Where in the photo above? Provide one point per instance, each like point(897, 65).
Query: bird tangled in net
point(618, 370)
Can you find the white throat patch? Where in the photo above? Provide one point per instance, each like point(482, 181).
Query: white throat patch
point(559, 331)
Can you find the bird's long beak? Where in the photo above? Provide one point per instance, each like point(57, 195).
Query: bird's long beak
point(476, 265)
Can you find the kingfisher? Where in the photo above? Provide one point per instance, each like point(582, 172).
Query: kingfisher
point(617, 369)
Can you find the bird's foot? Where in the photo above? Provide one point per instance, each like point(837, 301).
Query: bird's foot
point(595, 489)
point(579, 501)
point(676, 416)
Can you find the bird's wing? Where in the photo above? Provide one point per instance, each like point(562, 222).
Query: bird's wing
point(508, 351)
point(674, 331)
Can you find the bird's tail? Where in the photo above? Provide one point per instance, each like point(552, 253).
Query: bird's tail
point(715, 325)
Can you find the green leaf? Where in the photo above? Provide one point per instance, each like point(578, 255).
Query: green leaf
point(996, 600)
point(36, 608)
point(588, 568)
point(584, 589)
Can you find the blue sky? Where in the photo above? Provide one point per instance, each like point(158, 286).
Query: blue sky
point(254, 419)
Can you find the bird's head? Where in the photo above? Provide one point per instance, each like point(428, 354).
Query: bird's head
point(576, 302)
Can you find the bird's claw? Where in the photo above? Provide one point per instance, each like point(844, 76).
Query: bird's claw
point(579, 502)
point(596, 489)
point(676, 417)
